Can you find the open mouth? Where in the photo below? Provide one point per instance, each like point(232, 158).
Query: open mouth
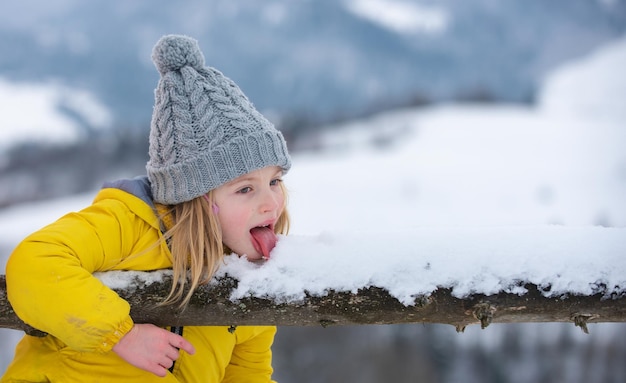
point(263, 239)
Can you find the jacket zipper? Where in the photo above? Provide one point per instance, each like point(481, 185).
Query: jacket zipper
point(176, 330)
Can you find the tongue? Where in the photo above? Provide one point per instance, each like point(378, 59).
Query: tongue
point(264, 240)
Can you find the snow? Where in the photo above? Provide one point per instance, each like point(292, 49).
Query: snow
point(31, 112)
point(410, 263)
point(130, 279)
point(472, 197)
point(414, 262)
point(468, 165)
point(402, 17)
point(595, 86)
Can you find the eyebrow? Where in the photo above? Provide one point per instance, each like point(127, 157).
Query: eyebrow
point(248, 178)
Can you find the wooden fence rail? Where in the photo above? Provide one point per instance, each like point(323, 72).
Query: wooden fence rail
point(211, 305)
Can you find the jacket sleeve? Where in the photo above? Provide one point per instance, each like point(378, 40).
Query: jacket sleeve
point(251, 360)
point(49, 276)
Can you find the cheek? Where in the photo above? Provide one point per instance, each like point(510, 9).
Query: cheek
point(281, 201)
point(233, 222)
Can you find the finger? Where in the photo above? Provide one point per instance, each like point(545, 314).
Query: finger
point(159, 370)
point(165, 362)
point(172, 353)
point(181, 343)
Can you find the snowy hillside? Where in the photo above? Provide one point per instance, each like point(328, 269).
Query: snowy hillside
point(322, 58)
point(48, 113)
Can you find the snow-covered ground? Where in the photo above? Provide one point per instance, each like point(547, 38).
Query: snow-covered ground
point(464, 184)
point(31, 112)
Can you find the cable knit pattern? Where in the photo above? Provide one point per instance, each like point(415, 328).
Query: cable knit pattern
point(204, 131)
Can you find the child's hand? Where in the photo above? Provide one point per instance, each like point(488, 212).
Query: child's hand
point(151, 348)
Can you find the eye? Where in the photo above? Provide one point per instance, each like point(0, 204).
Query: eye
point(244, 190)
point(275, 182)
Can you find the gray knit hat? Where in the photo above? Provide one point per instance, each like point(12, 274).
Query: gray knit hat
point(204, 130)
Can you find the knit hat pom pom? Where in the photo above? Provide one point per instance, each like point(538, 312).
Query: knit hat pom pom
point(174, 52)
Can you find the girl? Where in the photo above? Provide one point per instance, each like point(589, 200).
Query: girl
point(213, 186)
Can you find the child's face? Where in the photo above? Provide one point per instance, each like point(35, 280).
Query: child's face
point(253, 200)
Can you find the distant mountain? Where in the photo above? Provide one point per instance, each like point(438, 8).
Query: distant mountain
point(324, 59)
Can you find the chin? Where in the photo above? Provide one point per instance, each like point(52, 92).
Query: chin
point(250, 255)
point(254, 257)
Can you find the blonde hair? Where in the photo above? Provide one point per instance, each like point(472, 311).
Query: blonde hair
point(195, 241)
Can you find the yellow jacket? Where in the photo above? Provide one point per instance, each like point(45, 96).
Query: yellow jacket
point(51, 287)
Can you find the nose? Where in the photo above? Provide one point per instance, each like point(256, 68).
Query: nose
point(270, 200)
